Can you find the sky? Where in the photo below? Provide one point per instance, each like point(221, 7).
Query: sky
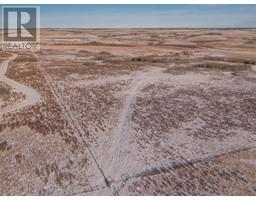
point(147, 16)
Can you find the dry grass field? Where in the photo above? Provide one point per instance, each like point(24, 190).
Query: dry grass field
point(130, 112)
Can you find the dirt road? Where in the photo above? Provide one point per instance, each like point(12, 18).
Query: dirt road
point(31, 96)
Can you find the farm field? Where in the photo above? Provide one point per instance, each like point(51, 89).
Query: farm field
point(130, 112)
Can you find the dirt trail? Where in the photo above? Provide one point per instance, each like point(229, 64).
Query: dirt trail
point(121, 160)
point(120, 130)
point(140, 81)
point(31, 96)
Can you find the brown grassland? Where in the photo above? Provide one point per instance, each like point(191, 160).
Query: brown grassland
point(130, 112)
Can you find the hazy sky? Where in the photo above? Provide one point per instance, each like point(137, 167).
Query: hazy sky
point(148, 16)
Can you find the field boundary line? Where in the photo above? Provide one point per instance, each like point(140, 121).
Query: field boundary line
point(69, 115)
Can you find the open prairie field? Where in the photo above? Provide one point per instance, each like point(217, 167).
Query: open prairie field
point(130, 112)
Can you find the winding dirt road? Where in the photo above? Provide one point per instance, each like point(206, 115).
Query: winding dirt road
point(31, 96)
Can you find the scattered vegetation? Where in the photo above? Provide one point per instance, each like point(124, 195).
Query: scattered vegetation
point(83, 51)
point(25, 58)
point(4, 90)
point(3, 145)
point(95, 43)
point(165, 117)
point(242, 60)
point(105, 53)
point(3, 55)
point(152, 59)
point(223, 66)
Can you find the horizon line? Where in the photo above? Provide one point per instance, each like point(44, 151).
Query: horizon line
point(142, 28)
